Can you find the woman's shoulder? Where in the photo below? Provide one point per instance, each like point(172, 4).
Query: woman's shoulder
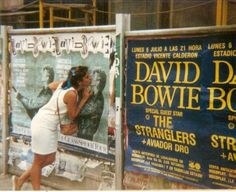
point(70, 95)
point(71, 91)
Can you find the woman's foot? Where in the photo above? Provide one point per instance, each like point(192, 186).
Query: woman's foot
point(15, 183)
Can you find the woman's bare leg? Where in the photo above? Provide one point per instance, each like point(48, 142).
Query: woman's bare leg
point(39, 162)
point(20, 180)
point(50, 159)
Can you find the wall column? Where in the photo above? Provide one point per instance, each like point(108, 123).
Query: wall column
point(5, 111)
point(122, 25)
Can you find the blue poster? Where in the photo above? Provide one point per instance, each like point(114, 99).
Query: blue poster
point(181, 108)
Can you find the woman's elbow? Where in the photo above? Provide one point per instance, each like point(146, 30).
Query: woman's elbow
point(53, 85)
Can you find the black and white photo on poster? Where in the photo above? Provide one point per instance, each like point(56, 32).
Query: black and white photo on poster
point(70, 167)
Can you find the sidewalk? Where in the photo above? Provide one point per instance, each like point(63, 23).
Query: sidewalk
point(6, 184)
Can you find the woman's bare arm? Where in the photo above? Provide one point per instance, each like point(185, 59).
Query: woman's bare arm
point(53, 86)
point(70, 99)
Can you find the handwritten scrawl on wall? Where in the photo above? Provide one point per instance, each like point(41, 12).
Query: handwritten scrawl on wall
point(84, 44)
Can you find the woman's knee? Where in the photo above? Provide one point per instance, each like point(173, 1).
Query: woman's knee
point(43, 160)
point(50, 159)
point(39, 160)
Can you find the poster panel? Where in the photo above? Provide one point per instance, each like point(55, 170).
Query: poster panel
point(181, 108)
point(37, 60)
point(1, 86)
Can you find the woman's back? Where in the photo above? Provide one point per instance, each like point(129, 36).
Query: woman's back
point(48, 114)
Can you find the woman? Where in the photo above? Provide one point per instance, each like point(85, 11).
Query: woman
point(45, 122)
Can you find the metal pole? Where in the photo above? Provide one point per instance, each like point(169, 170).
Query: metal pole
point(5, 112)
point(171, 15)
point(180, 31)
point(41, 13)
point(158, 17)
point(224, 12)
point(51, 16)
point(219, 12)
point(84, 29)
point(109, 12)
point(122, 25)
point(94, 12)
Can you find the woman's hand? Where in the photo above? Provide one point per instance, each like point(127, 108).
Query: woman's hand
point(86, 94)
point(70, 99)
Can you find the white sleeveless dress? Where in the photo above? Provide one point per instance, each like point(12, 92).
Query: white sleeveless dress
point(44, 133)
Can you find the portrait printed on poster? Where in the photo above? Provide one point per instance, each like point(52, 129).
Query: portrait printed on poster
point(91, 113)
point(32, 105)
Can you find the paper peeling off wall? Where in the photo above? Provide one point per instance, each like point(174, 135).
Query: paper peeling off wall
point(68, 172)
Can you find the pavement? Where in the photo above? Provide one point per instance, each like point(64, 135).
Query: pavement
point(6, 184)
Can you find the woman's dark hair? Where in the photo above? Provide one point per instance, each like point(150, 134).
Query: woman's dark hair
point(75, 74)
